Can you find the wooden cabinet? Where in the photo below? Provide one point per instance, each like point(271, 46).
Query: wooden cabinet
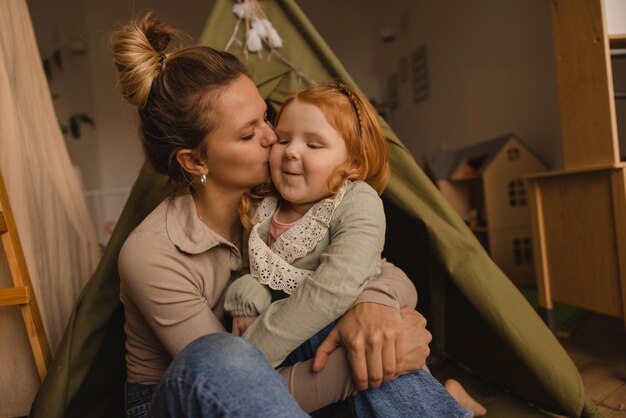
point(579, 213)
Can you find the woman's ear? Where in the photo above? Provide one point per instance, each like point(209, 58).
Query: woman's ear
point(190, 162)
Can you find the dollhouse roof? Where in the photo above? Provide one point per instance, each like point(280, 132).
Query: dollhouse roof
point(442, 164)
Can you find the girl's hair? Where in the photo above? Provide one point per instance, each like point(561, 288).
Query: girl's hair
point(174, 89)
point(350, 113)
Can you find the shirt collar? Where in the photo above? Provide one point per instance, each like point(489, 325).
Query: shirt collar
point(185, 229)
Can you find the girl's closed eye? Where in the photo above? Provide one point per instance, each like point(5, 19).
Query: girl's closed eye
point(314, 145)
point(282, 141)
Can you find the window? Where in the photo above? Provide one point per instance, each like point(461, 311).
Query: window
point(522, 251)
point(517, 193)
point(513, 153)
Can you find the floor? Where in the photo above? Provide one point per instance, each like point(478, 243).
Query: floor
point(598, 348)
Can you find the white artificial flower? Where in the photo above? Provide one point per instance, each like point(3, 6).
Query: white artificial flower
point(244, 9)
point(239, 9)
point(259, 26)
point(253, 41)
point(274, 39)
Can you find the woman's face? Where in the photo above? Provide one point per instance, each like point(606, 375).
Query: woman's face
point(238, 148)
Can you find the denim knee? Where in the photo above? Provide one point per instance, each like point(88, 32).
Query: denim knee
point(220, 375)
point(217, 353)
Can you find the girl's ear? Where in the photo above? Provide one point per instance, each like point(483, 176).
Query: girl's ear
point(355, 166)
point(190, 162)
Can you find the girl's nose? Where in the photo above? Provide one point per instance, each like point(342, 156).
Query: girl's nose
point(291, 153)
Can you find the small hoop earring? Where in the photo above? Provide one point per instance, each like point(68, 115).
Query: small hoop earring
point(203, 179)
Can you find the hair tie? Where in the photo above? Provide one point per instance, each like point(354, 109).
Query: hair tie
point(162, 57)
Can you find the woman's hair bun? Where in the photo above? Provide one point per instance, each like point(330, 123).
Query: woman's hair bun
point(137, 50)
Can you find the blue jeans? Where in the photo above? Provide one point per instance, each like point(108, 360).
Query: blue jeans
point(217, 375)
point(416, 394)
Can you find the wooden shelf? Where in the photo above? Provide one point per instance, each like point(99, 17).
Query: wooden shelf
point(617, 41)
point(556, 173)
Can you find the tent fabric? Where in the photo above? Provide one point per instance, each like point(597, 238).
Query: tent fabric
point(57, 236)
point(483, 322)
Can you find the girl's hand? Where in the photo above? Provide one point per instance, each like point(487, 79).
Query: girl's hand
point(381, 343)
point(241, 324)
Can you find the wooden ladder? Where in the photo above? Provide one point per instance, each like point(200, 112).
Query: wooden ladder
point(22, 291)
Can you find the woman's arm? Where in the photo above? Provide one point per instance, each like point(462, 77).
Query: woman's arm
point(352, 258)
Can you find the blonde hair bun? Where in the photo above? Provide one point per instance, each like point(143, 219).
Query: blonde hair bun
point(138, 53)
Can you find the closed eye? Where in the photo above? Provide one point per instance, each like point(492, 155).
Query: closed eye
point(314, 145)
point(248, 137)
point(282, 141)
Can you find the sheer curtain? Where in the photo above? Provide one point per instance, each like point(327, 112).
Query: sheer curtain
point(55, 229)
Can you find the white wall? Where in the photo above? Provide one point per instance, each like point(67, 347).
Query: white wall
point(615, 16)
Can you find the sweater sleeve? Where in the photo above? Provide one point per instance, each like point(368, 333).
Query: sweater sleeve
point(357, 233)
point(246, 296)
point(392, 288)
point(314, 390)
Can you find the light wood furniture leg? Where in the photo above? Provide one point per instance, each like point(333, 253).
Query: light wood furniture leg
point(546, 308)
point(618, 183)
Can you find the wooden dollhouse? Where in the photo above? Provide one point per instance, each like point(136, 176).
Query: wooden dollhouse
point(484, 184)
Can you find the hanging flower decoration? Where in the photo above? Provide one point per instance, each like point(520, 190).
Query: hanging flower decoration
point(259, 29)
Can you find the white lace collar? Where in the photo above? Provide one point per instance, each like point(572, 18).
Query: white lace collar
point(272, 265)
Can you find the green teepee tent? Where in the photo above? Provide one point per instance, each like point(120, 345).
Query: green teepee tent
point(478, 318)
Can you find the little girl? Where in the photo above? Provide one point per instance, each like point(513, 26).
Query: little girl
point(329, 166)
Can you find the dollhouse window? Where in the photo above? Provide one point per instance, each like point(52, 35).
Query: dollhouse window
point(517, 193)
point(522, 251)
point(513, 153)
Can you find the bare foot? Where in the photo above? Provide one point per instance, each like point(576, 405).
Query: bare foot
point(463, 398)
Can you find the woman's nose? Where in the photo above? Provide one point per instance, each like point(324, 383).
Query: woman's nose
point(269, 136)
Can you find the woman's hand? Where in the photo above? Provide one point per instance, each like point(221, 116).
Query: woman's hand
point(241, 324)
point(414, 340)
point(381, 343)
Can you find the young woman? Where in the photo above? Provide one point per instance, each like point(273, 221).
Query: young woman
point(318, 243)
point(203, 124)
